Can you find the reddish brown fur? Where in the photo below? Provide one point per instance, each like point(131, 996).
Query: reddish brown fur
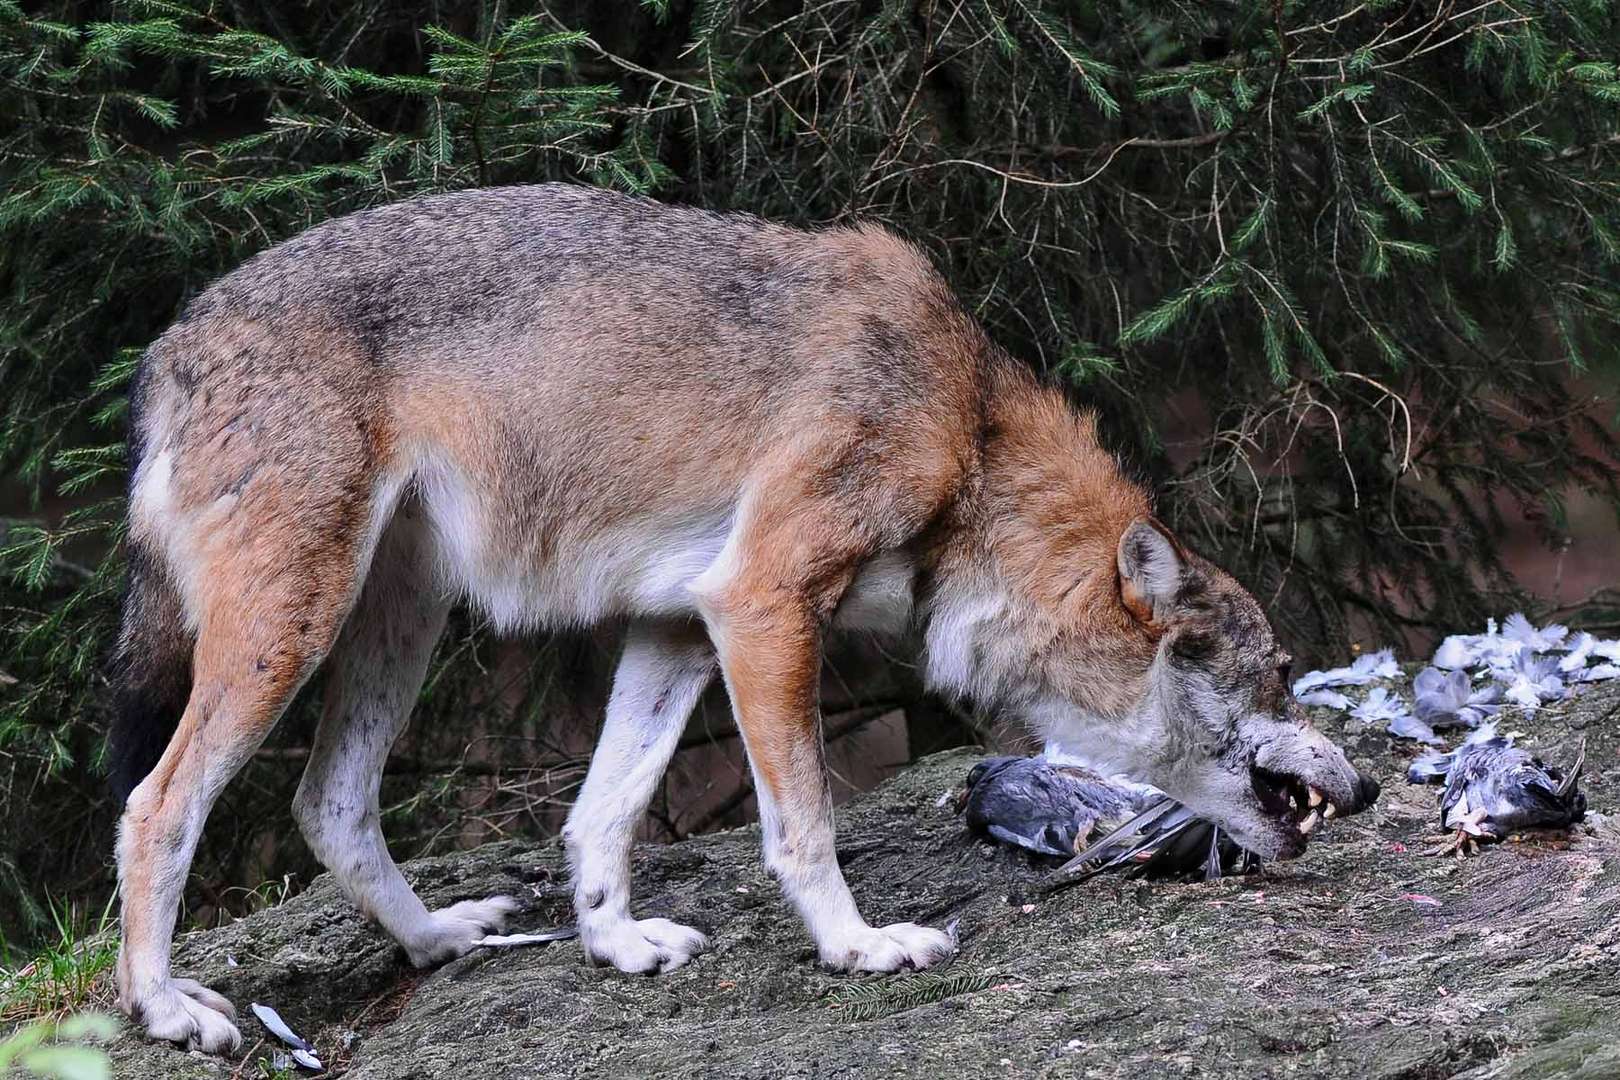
point(1048, 513)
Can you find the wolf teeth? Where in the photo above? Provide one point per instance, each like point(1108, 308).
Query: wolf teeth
point(1316, 797)
point(1309, 823)
point(1328, 811)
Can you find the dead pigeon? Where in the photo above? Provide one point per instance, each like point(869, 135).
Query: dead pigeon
point(1040, 805)
point(303, 1052)
point(1494, 789)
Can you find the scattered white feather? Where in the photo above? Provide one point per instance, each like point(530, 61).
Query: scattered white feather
point(1497, 652)
point(1377, 665)
point(1457, 651)
point(1518, 628)
point(1532, 680)
point(1448, 699)
point(278, 1027)
point(1381, 706)
point(1580, 650)
point(1494, 650)
point(1575, 664)
point(1596, 673)
point(507, 941)
point(1508, 656)
point(303, 1052)
point(1330, 698)
point(1410, 727)
point(1363, 670)
point(1313, 680)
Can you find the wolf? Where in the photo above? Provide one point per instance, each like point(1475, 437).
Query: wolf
point(568, 406)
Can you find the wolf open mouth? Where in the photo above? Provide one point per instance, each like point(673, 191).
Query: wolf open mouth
point(1290, 800)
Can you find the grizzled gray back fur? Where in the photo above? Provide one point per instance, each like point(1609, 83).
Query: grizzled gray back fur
point(499, 257)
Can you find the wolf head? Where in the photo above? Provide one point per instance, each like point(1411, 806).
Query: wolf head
point(1156, 664)
point(1234, 745)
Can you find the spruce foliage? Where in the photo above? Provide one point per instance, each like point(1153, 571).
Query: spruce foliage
point(873, 999)
point(1364, 252)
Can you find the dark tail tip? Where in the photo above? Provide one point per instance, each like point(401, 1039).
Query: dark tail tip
point(152, 673)
point(145, 721)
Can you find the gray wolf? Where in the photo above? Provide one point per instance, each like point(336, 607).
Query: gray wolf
point(568, 406)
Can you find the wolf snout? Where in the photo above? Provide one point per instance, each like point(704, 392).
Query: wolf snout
point(1347, 791)
point(1351, 792)
point(1367, 790)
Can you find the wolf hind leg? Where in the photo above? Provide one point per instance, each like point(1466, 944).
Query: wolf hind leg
point(662, 673)
point(375, 672)
point(255, 647)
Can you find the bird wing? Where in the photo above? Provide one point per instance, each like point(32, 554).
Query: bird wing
point(1213, 863)
point(1567, 785)
point(1165, 840)
point(1430, 767)
point(1525, 797)
point(1055, 838)
point(1139, 840)
point(1455, 796)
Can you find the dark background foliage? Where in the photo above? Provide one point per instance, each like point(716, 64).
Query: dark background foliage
point(1339, 276)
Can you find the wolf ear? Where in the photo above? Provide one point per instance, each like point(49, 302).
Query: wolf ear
point(1151, 563)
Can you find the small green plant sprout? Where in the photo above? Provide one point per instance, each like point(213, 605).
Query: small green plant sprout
point(270, 1070)
point(55, 1049)
point(68, 975)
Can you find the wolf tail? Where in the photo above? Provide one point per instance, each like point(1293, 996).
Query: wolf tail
point(151, 671)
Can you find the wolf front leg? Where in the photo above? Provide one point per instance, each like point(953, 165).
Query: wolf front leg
point(660, 676)
point(768, 637)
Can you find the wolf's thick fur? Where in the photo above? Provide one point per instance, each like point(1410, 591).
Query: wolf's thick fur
point(568, 406)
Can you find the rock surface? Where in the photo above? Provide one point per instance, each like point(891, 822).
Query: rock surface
point(1364, 958)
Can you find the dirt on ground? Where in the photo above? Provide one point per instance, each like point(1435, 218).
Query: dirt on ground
point(1363, 958)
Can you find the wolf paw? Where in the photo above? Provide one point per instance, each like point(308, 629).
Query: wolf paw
point(455, 928)
point(645, 947)
point(186, 1012)
point(888, 948)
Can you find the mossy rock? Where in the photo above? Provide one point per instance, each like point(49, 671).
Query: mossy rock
point(1364, 958)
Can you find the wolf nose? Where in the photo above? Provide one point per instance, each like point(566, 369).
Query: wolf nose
point(1367, 788)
